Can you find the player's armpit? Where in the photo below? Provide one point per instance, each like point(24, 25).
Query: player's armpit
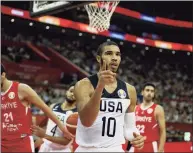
point(133, 97)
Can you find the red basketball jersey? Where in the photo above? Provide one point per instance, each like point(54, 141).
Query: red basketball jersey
point(146, 123)
point(16, 119)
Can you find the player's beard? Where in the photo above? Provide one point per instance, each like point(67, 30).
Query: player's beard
point(148, 98)
point(70, 101)
point(115, 70)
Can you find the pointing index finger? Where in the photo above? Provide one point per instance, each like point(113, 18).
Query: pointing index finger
point(104, 66)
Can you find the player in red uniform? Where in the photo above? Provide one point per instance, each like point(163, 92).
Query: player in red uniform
point(150, 121)
point(16, 117)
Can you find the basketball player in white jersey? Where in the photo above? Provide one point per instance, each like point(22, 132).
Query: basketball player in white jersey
point(106, 107)
point(53, 139)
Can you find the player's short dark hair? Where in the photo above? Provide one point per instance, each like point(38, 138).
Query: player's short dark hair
point(2, 69)
point(101, 46)
point(148, 84)
point(70, 85)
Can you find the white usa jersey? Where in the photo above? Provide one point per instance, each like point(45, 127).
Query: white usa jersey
point(53, 129)
point(107, 130)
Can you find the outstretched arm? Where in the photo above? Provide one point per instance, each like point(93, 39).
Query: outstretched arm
point(31, 96)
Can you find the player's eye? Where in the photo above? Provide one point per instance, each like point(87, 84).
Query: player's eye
point(118, 54)
point(108, 53)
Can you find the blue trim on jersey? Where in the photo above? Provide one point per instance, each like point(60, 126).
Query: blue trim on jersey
point(58, 108)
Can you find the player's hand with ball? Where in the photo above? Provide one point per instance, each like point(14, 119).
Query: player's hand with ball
point(106, 76)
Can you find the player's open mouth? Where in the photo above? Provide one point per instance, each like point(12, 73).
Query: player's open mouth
point(113, 65)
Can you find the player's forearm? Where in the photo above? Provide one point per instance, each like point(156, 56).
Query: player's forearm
point(58, 140)
point(90, 111)
point(130, 126)
point(162, 141)
point(48, 112)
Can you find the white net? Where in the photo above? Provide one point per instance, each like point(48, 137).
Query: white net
point(100, 13)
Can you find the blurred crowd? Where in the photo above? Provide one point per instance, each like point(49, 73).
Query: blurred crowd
point(173, 80)
point(178, 111)
point(16, 54)
point(49, 95)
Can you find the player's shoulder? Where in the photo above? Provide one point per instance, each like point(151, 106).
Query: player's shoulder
point(130, 87)
point(23, 87)
point(54, 105)
point(159, 108)
point(83, 82)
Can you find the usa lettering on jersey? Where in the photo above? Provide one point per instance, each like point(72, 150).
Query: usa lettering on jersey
point(111, 106)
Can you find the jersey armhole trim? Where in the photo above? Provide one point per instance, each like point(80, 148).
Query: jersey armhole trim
point(3, 94)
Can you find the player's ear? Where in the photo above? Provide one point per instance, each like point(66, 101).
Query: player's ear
point(142, 92)
point(98, 58)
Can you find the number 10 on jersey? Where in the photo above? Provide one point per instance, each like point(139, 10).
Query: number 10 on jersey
point(109, 126)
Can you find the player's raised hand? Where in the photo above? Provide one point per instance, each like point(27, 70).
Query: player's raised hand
point(106, 76)
point(138, 141)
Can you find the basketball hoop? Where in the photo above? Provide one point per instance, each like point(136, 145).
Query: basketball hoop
point(100, 13)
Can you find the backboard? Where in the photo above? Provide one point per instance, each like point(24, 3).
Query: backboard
point(39, 8)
